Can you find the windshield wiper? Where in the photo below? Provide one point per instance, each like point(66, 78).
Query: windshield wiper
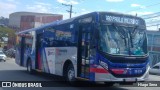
point(122, 34)
point(132, 35)
point(134, 31)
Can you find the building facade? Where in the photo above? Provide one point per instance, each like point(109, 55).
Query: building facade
point(20, 21)
point(154, 46)
point(26, 20)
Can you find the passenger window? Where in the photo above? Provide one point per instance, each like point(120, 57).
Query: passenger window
point(156, 67)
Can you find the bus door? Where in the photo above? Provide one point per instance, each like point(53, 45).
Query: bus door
point(83, 51)
point(22, 50)
point(38, 60)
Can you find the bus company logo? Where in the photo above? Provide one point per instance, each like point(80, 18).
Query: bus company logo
point(63, 51)
point(21, 84)
point(104, 65)
point(60, 51)
point(6, 84)
point(50, 53)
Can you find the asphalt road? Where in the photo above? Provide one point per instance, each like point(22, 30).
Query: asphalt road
point(9, 71)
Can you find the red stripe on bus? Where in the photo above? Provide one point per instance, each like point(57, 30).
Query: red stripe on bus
point(118, 71)
point(39, 61)
point(98, 70)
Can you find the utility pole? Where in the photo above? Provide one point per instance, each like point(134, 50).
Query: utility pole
point(70, 11)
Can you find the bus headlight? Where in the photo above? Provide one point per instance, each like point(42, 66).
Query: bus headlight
point(104, 65)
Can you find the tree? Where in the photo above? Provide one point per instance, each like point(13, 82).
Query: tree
point(6, 32)
point(4, 21)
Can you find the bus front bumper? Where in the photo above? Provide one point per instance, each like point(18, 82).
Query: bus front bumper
point(110, 78)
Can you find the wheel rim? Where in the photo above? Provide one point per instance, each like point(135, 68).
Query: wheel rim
point(70, 75)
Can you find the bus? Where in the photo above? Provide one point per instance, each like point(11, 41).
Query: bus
point(98, 46)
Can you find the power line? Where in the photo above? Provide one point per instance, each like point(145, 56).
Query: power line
point(150, 16)
point(145, 7)
point(153, 25)
point(70, 11)
point(156, 21)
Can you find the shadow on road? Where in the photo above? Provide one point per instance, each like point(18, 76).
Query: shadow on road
point(154, 74)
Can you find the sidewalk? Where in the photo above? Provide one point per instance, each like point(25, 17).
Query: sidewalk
point(8, 58)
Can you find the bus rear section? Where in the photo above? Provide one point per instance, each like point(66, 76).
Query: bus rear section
point(43, 50)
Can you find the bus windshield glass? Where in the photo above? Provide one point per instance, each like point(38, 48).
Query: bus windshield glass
point(122, 40)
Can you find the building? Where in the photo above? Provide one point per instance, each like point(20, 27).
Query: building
point(154, 46)
point(26, 20)
point(20, 21)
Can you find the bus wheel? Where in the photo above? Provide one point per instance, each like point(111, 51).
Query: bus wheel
point(70, 75)
point(29, 67)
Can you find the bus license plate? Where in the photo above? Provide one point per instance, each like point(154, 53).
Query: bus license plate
point(130, 79)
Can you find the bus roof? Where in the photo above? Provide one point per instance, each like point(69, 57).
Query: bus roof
point(72, 19)
point(48, 24)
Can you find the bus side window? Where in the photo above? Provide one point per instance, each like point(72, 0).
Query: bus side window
point(53, 43)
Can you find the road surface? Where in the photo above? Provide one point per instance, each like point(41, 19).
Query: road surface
point(9, 71)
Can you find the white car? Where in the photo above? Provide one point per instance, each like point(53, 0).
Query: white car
point(155, 69)
point(2, 56)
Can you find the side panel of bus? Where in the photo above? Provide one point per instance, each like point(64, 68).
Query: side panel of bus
point(53, 47)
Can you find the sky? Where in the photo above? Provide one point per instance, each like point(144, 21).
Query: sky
point(133, 7)
point(79, 6)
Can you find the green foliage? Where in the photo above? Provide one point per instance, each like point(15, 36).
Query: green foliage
point(6, 32)
point(4, 21)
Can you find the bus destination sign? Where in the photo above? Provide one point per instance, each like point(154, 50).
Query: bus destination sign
point(119, 19)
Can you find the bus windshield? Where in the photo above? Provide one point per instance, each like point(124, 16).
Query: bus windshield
point(122, 40)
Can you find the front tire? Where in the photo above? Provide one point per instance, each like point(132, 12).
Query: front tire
point(70, 75)
point(2, 60)
point(29, 67)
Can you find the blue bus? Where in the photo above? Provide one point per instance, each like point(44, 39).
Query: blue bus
point(99, 46)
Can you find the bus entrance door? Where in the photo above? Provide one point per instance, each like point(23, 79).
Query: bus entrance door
point(83, 53)
point(38, 51)
point(22, 51)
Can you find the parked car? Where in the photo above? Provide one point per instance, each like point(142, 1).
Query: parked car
point(2, 56)
point(10, 53)
point(155, 69)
